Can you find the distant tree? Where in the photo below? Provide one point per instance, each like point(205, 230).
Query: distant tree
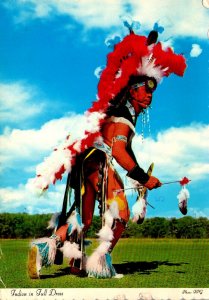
point(189, 227)
point(22, 225)
point(133, 230)
point(173, 227)
point(159, 227)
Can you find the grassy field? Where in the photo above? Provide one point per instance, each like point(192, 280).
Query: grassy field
point(146, 263)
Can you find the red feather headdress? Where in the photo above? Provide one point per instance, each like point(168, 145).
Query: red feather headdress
point(135, 55)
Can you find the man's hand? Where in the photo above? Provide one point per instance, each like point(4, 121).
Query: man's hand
point(152, 183)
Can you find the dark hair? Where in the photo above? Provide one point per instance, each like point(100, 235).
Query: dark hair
point(137, 79)
point(121, 98)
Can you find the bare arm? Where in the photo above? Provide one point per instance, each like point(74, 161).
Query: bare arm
point(117, 135)
point(120, 149)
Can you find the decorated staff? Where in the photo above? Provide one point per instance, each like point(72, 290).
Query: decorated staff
point(133, 71)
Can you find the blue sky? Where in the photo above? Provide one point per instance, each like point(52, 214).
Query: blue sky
point(49, 51)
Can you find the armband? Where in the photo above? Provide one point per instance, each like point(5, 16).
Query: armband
point(120, 138)
point(138, 174)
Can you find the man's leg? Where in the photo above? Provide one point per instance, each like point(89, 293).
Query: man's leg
point(88, 200)
point(115, 193)
point(88, 203)
point(116, 215)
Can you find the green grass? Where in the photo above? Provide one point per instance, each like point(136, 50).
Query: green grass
point(146, 263)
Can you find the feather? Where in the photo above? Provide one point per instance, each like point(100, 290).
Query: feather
point(108, 218)
point(63, 157)
point(53, 223)
point(71, 250)
point(139, 209)
point(93, 264)
point(158, 28)
point(98, 71)
point(183, 197)
point(75, 223)
point(103, 247)
point(183, 194)
point(47, 250)
point(112, 40)
point(149, 68)
point(100, 266)
point(105, 233)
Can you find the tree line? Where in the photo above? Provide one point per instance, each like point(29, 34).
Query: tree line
point(22, 225)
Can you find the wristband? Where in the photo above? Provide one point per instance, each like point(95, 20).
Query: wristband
point(138, 174)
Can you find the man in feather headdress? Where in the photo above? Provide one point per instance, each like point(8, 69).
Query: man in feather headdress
point(125, 89)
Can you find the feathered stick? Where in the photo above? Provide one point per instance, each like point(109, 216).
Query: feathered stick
point(183, 181)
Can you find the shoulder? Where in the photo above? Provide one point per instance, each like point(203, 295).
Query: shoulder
point(120, 114)
point(121, 120)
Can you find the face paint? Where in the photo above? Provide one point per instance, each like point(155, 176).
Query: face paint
point(141, 94)
point(140, 99)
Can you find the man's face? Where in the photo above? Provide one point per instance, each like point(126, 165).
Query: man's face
point(141, 95)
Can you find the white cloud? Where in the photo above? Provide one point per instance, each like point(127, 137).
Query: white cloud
point(177, 152)
point(88, 12)
point(197, 213)
point(16, 101)
point(186, 18)
point(196, 50)
point(20, 199)
point(33, 144)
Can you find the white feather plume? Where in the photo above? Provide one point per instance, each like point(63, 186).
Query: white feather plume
point(62, 156)
point(183, 194)
point(71, 250)
point(73, 221)
point(105, 233)
point(139, 209)
point(103, 248)
point(52, 224)
point(108, 218)
point(93, 263)
point(148, 67)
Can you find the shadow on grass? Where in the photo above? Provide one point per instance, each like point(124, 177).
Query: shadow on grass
point(143, 267)
point(125, 268)
point(59, 273)
point(62, 272)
